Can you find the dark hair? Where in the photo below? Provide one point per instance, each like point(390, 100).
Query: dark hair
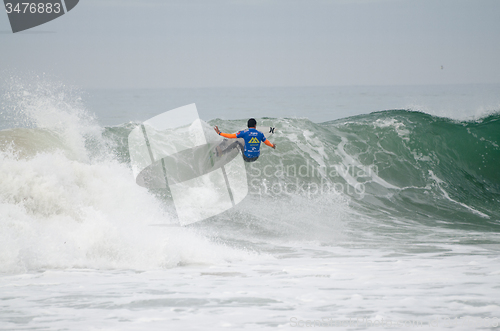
point(252, 123)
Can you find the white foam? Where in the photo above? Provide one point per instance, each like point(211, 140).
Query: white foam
point(446, 195)
point(399, 127)
point(61, 213)
point(65, 207)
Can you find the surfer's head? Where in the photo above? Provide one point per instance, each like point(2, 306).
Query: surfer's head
point(252, 123)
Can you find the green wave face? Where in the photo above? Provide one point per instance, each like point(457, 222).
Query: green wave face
point(444, 169)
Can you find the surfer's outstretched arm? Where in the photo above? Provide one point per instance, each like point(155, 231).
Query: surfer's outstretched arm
point(270, 144)
point(225, 135)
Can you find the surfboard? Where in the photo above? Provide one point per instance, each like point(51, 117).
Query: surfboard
point(266, 130)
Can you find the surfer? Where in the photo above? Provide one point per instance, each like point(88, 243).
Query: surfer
point(252, 137)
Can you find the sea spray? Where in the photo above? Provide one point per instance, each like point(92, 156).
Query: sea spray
point(66, 200)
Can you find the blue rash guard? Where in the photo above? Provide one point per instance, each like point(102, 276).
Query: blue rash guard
point(252, 138)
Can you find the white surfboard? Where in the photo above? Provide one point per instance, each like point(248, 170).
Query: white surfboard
point(266, 130)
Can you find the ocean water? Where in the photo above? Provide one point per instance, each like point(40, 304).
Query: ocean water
point(380, 209)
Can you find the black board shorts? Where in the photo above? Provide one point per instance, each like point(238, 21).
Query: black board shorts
point(249, 159)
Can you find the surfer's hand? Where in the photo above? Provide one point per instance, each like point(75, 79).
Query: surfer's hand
point(274, 146)
point(216, 128)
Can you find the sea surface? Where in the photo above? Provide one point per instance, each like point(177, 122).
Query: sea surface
point(379, 209)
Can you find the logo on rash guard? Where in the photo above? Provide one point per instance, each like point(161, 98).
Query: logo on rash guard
point(254, 141)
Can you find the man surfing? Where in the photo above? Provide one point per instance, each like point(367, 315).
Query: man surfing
point(252, 137)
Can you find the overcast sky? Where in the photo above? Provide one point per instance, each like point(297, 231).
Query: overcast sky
point(182, 43)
